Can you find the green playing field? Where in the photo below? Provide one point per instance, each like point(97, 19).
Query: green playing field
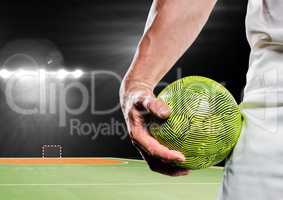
point(131, 180)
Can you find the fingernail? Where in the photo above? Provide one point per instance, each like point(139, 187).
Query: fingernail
point(183, 172)
point(180, 156)
point(181, 159)
point(165, 112)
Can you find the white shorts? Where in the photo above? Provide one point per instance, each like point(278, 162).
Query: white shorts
point(255, 169)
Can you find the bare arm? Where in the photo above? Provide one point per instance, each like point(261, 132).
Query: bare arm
point(171, 28)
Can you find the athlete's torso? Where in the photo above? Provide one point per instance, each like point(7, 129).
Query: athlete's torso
point(264, 25)
point(254, 171)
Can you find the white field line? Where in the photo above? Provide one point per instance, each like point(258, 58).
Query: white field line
point(102, 184)
point(123, 161)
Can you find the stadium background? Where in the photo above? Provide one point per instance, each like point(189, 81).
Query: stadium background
point(102, 35)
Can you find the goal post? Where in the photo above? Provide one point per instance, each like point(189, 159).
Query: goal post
point(51, 151)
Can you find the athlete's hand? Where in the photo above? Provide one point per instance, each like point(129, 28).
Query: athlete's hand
point(137, 99)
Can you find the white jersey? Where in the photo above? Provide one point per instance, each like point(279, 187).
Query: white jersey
point(255, 169)
point(264, 25)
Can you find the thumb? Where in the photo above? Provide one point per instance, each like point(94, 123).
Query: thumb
point(157, 107)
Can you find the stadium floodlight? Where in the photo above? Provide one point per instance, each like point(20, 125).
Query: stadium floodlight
point(21, 73)
point(5, 74)
point(77, 73)
point(42, 71)
point(33, 74)
point(62, 73)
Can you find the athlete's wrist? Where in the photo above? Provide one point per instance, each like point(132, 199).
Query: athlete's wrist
point(133, 91)
point(129, 85)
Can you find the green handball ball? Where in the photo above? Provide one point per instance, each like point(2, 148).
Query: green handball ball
point(204, 124)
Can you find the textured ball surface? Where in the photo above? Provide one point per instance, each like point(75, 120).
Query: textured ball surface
point(204, 124)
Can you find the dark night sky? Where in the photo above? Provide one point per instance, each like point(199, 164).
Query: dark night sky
point(102, 35)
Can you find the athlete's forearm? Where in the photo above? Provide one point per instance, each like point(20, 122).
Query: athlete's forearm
point(171, 28)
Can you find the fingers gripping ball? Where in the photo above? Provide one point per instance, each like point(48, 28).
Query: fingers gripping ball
point(204, 124)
